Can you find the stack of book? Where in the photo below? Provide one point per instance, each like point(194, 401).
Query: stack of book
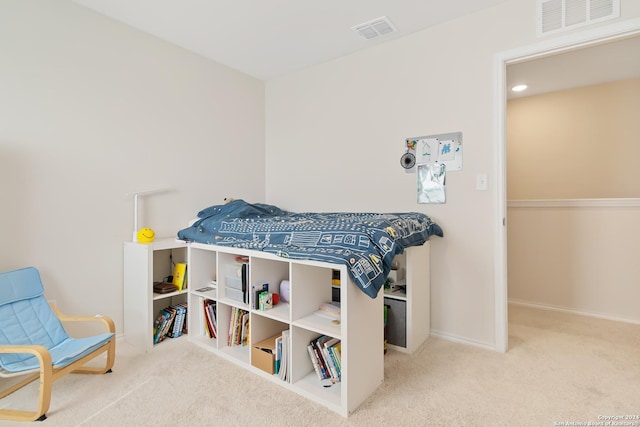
point(330, 310)
point(170, 322)
point(324, 352)
point(210, 322)
point(238, 328)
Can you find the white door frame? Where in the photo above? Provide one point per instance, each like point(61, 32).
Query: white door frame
point(594, 36)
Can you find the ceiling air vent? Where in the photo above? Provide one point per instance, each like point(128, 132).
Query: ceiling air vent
point(375, 28)
point(554, 16)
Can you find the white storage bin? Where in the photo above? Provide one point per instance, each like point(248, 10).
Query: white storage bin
point(235, 294)
point(234, 270)
point(234, 282)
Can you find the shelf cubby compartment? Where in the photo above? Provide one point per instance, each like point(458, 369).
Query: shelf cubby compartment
point(310, 288)
point(144, 264)
point(197, 326)
point(272, 272)
point(237, 352)
point(206, 274)
point(230, 288)
point(304, 377)
point(263, 328)
point(408, 324)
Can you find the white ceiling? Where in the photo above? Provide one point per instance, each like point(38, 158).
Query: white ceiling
point(268, 38)
point(612, 61)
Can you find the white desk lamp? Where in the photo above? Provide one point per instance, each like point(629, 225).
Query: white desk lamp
point(135, 208)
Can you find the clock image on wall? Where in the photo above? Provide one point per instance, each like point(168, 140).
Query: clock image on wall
point(408, 160)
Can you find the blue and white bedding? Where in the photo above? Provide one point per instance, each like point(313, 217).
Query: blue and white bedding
point(365, 242)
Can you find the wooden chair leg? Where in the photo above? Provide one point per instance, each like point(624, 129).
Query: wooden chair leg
point(44, 400)
point(111, 357)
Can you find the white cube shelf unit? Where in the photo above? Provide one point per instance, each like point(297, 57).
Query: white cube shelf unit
point(360, 327)
point(145, 263)
point(409, 316)
point(213, 274)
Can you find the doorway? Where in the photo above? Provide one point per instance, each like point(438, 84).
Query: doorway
point(561, 45)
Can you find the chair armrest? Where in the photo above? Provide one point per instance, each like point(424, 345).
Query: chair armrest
point(40, 352)
point(106, 320)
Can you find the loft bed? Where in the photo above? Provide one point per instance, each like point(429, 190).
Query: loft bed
point(365, 242)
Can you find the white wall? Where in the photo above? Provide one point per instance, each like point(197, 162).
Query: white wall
point(335, 134)
point(579, 143)
point(91, 110)
point(577, 258)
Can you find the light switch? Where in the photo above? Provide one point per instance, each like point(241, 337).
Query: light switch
point(481, 182)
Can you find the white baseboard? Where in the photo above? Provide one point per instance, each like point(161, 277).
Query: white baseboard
point(461, 340)
point(572, 311)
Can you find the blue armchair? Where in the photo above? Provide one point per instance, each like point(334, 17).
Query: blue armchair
point(35, 345)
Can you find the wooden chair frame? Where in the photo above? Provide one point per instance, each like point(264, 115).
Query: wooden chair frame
point(48, 374)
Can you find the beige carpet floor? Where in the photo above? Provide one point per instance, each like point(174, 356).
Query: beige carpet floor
point(561, 369)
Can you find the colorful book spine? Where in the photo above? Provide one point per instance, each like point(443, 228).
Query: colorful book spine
point(321, 364)
point(328, 353)
point(278, 355)
point(176, 328)
point(210, 318)
point(180, 275)
point(314, 361)
point(185, 328)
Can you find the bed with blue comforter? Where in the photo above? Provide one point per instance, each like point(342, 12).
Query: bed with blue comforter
point(365, 242)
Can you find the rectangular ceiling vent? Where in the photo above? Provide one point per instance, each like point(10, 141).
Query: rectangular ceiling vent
point(375, 28)
point(554, 16)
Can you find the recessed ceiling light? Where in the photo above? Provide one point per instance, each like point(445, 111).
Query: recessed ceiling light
point(519, 88)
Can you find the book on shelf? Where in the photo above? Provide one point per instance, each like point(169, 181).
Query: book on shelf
point(245, 282)
point(209, 316)
point(158, 324)
point(314, 362)
point(329, 357)
point(170, 322)
point(161, 325)
point(285, 362)
point(324, 369)
point(325, 357)
point(244, 334)
point(185, 328)
point(178, 322)
point(335, 277)
point(330, 310)
point(256, 290)
point(232, 325)
point(265, 301)
point(336, 350)
point(278, 355)
point(238, 328)
point(180, 275)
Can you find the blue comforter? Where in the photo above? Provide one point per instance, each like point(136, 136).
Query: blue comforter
point(365, 242)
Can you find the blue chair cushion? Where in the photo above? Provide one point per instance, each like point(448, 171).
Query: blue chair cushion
point(62, 354)
point(21, 284)
point(26, 318)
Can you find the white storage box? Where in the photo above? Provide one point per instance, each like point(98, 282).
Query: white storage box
point(234, 282)
point(235, 294)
